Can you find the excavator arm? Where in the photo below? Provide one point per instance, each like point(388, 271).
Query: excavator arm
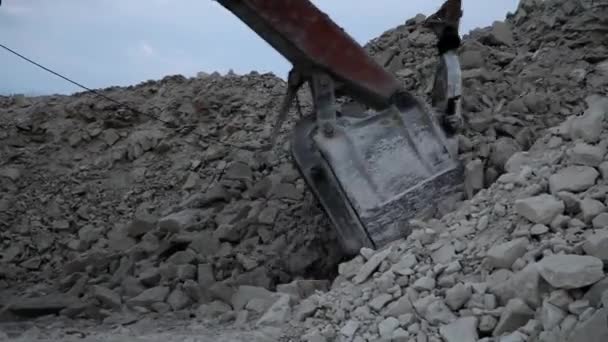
point(313, 43)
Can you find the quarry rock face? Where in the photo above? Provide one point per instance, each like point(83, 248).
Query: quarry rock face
point(115, 225)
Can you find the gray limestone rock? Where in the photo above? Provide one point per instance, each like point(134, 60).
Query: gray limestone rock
point(350, 268)
point(424, 284)
point(301, 289)
point(589, 125)
point(590, 208)
point(578, 307)
point(560, 298)
point(437, 312)
point(141, 224)
point(350, 328)
point(110, 136)
point(487, 324)
point(503, 149)
point(594, 294)
point(107, 297)
point(505, 254)
point(500, 34)
point(571, 271)
point(471, 59)
point(597, 245)
point(180, 220)
point(401, 306)
point(551, 316)
point(524, 284)
point(400, 335)
point(540, 209)
point(540, 229)
point(185, 272)
point(593, 329)
point(405, 264)
point(150, 296)
point(515, 336)
point(43, 305)
point(268, 215)
point(239, 171)
point(571, 201)
point(216, 193)
point(178, 299)
point(370, 266)
point(131, 287)
point(586, 154)
point(278, 313)
point(314, 337)
point(474, 177)
point(444, 254)
point(600, 221)
point(205, 276)
point(182, 258)
point(387, 327)
point(229, 232)
point(569, 323)
point(380, 301)
point(213, 309)
point(460, 330)
point(575, 178)
point(457, 296)
point(515, 315)
point(192, 181)
point(518, 161)
point(603, 167)
point(306, 309)
point(245, 293)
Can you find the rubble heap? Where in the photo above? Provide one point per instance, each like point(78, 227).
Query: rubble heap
point(521, 261)
point(98, 195)
point(520, 76)
point(107, 213)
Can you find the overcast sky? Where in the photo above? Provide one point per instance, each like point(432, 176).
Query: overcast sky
point(100, 43)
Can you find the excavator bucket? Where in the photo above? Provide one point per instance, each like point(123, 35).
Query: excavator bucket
point(377, 172)
point(372, 172)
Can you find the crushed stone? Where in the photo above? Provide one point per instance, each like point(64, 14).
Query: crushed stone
point(113, 225)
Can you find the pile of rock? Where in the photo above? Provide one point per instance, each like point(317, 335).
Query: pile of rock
point(520, 76)
point(99, 202)
point(521, 261)
point(108, 213)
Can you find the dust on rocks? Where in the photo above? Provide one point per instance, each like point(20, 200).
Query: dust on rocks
point(115, 225)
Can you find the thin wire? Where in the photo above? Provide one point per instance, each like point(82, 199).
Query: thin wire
point(168, 123)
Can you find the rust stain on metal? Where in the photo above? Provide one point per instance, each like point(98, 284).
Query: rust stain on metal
point(322, 43)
